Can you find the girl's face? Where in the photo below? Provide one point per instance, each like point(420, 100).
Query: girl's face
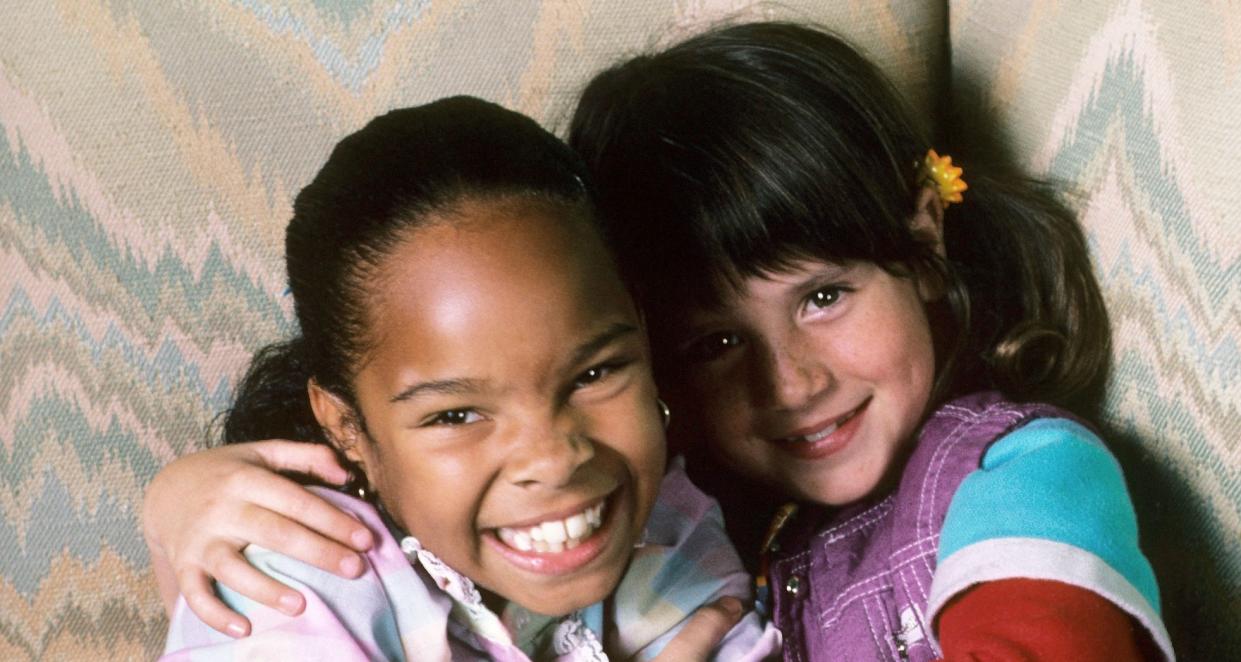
point(507, 393)
point(811, 380)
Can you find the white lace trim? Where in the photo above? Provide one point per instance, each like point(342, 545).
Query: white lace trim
point(573, 637)
point(460, 587)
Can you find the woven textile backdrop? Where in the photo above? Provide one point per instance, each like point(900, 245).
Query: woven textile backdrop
point(148, 158)
point(1135, 105)
point(150, 151)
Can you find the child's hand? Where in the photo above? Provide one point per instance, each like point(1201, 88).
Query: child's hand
point(703, 632)
point(202, 509)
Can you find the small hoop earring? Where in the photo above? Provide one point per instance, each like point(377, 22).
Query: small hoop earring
point(359, 486)
point(664, 413)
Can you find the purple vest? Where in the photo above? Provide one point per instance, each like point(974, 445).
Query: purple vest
point(853, 585)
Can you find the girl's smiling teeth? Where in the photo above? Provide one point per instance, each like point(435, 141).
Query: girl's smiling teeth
point(823, 433)
point(555, 535)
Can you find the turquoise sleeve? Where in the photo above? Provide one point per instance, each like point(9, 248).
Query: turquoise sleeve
point(1053, 480)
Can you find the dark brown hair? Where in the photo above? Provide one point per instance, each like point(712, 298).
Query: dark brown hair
point(744, 149)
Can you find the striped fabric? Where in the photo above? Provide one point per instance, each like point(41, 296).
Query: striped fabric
point(149, 152)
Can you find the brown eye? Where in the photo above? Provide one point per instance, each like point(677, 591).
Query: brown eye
point(597, 373)
point(452, 417)
point(712, 346)
point(824, 297)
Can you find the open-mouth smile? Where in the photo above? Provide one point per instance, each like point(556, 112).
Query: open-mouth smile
point(557, 545)
point(554, 535)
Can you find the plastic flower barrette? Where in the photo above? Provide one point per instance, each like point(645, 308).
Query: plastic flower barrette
point(939, 172)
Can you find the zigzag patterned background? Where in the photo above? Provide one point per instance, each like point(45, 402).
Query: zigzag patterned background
point(150, 151)
point(1135, 105)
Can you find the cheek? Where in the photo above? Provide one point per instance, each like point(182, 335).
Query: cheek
point(705, 411)
point(639, 429)
point(426, 503)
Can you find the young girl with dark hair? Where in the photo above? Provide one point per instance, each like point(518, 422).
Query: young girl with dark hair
point(872, 365)
point(841, 323)
point(523, 476)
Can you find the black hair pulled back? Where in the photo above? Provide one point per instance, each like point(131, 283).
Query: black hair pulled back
point(740, 151)
point(379, 184)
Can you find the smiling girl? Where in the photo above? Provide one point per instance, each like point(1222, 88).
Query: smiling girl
point(877, 355)
point(872, 367)
point(468, 349)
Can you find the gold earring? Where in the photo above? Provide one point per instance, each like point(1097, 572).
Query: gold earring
point(359, 486)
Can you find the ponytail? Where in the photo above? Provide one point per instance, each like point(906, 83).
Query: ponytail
point(1035, 324)
point(271, 402)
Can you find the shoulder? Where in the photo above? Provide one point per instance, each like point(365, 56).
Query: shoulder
point(1049, 501)
point(685, 558)
point(373, 617)
point(685, 562)
point(1051, 477)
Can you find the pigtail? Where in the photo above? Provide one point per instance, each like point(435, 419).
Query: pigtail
point(271, 402)
point(1025, 292)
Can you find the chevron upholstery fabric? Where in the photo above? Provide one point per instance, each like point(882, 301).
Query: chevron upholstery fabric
point(148, 158)
point(150, 151)
point(1134, 104)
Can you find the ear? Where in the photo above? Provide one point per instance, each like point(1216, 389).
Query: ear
point(927, 221)
point(338, 421)
point(927, 225)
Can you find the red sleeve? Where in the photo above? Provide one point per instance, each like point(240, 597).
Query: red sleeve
point(1030, 619)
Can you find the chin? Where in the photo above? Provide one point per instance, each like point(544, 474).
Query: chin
point(572, 598)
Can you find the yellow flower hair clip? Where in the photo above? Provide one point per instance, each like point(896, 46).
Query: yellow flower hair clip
point(939, 172)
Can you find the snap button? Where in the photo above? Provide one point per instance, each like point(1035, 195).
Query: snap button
point(793, 585)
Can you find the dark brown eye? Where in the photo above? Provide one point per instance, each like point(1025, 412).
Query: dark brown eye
point(824, 297)
point(711, 346)
point(454, 417)
point(597, 373)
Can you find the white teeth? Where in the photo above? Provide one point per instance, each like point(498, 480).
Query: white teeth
point(811, 438)
point(553, 532)
point(575, 526)
point(822, 434)
point(554, 535)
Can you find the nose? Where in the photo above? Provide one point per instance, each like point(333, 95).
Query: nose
point(794, 374)
point(549, 452)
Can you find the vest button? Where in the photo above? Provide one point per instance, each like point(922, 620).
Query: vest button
point(793, 585)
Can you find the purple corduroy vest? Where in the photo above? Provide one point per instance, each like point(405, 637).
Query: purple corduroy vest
point(853, 585)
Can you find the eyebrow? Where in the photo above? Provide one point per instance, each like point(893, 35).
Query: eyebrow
point(607, 337)
point(439, 387)
point(467, 385)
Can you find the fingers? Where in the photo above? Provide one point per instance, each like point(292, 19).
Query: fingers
point(251, 487)
point(314, 460)
point(703, 631)
point(201, 599)
point(291, 537)
point(236, 573)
